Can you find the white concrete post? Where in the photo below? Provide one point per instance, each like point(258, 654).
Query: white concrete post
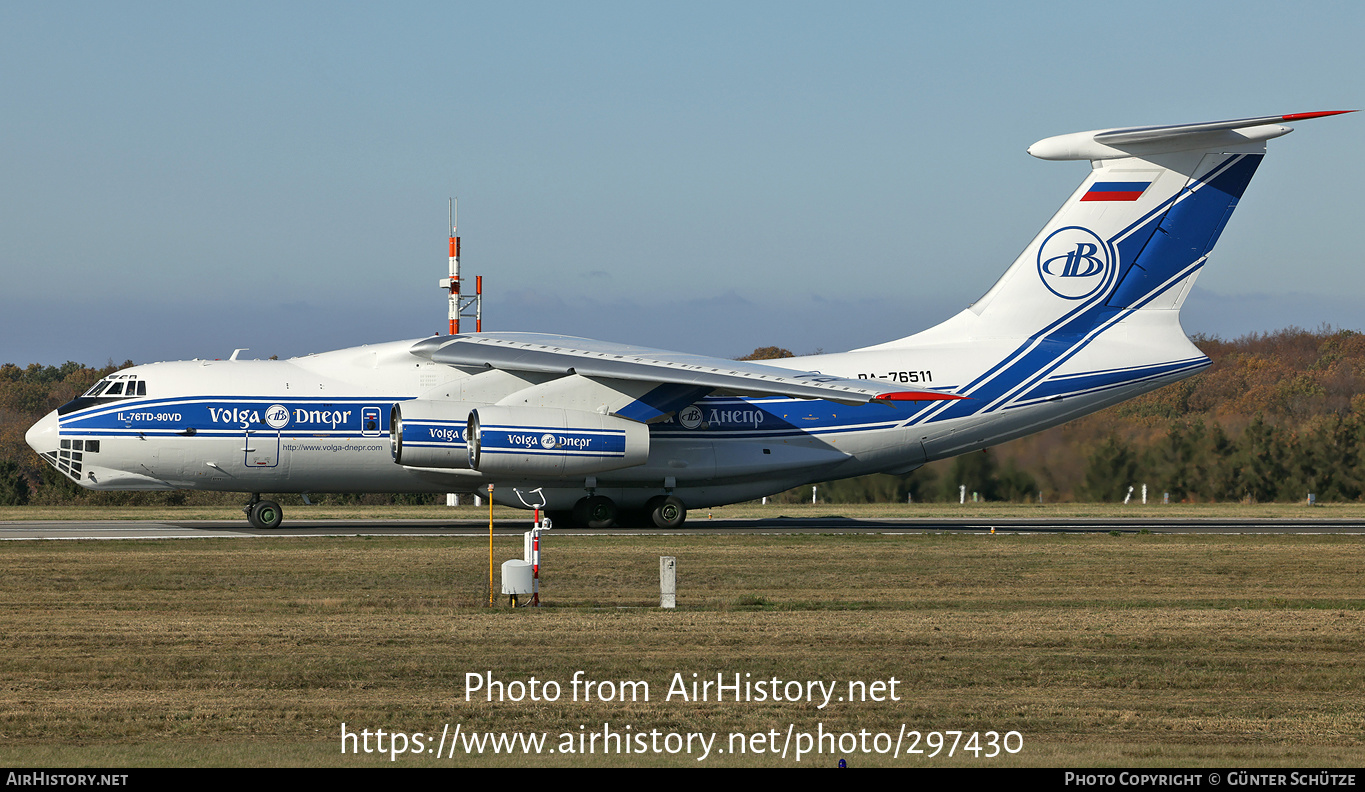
point(668, 582)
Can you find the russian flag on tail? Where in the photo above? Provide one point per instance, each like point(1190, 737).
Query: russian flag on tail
point(1115, 191)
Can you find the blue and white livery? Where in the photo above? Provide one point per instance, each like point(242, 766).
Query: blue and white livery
point(1087, 316)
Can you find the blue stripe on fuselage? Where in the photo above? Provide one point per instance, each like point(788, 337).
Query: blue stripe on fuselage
point(1070, 385)
point(218, 415)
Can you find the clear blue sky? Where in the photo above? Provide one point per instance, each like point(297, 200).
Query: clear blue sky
point(180, 179)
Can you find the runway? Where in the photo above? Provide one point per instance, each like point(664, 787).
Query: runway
point(204, 529)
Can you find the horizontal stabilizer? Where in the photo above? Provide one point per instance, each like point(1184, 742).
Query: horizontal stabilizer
point(1125, 142)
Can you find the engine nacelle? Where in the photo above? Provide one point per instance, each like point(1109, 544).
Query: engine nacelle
point(543, 441)
point(427, 433)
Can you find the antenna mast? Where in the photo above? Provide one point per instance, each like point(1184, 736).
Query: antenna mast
point(461, 306)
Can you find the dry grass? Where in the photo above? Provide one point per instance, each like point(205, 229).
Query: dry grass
point(1100, 650)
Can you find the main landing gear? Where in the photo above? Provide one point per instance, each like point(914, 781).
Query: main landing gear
point(599, 511)
point(263, 514)
point(666, 511)
point(596, 511)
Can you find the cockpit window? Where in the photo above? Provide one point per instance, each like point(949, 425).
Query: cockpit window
point(117, 385)
point(112, 387)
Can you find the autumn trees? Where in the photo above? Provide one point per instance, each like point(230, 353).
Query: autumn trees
point(1276, 417)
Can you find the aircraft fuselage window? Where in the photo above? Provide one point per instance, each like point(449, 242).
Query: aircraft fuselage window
point(115, 389)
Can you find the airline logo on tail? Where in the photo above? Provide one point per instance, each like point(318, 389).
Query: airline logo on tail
point(1074, 263)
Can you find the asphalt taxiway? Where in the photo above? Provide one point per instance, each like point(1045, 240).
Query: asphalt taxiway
point(200, 529)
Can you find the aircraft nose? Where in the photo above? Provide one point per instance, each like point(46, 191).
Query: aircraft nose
point(42, 436)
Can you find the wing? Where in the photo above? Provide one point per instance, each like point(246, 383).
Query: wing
point(535, 352)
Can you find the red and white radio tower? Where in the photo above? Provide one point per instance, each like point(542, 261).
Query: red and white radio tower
point(460, 305)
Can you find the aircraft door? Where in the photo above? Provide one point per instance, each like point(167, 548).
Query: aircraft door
point(371, 422)
point(261, 449)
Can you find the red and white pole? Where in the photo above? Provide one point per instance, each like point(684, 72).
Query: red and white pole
point(478, 303)
point(454, 282)
point(535, 562)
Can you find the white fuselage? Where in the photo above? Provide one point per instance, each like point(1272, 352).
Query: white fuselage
point(321, 423)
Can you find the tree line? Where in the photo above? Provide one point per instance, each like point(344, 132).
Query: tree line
point(1277, 416)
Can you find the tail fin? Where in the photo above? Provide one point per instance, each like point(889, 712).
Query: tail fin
point(1136, 233)
point(1088, 315)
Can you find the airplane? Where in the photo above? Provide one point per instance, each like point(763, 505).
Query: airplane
point(1087, 316)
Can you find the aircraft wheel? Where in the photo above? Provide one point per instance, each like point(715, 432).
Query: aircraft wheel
point(666, 511)
point(597, 511)
point(266, 515)
point(580, 513)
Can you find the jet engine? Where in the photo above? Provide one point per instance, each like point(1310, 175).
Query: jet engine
point(543, 441)
point(429, 433)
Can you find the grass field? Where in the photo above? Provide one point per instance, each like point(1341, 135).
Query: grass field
point(1099, 650)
